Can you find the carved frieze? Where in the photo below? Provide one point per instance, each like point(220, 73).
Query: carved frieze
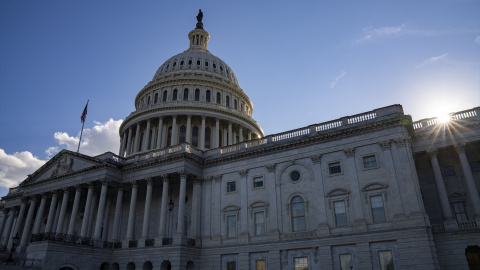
point(243, 173)
point(385, 145)
point(316, 159)
point(349, 152)
point(218, 178)
point(400, 142)
point(64, 166)
point(271, 167)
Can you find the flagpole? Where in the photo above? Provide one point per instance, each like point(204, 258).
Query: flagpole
point(82, 118)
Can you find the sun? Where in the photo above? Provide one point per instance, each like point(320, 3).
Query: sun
point(444, 118)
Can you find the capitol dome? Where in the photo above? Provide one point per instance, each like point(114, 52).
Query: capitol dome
point(194, 97)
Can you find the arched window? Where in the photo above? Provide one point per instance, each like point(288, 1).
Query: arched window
point(165, 93)
point(207, 137)
point(156, 98)
point(148, 100)
point(219, 98)
point(207, 96)
point(185, 94)
point(235, 104)
point(195, 136)
point(183, 134)
point(298, 214)
point(175, 92)
point(227, 101)
point(197, 94)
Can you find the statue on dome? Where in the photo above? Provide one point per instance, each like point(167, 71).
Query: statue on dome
point(199, 20)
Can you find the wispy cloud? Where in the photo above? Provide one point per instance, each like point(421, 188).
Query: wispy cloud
point(102, 137)
point(370, 33)
point(342, 73)
point(477, 40)
point(432, 60)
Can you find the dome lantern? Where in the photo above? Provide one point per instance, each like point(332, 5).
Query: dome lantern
point(198, 36)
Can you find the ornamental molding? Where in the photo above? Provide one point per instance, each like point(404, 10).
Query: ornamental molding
point(349, 152)
point(385, 145)
point(243, 173)
point(400, 142)
point(460, 148)
point(149, 180)
point(197, 180)
point(165, 178)
point(182, 173)
point(316, 159)
point(432, 153)
point(271, 167)
point(218, 178)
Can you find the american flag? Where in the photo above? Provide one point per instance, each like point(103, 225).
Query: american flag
point(84, 114)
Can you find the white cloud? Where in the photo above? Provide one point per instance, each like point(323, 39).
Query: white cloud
point(332, 84)
point(102, 137)
point(16, 167)
point(477, 40)
point(432, 60)
point(370, 33)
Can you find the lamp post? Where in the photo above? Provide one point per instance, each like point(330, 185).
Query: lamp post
point(14, 243)
point(350, 264)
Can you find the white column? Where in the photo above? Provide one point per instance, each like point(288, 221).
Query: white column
point(164, 136)
point(131, 213)
point(188, 137)
point(4, 219)
point(216, 205)
point(159, 133)
point(147, 136)
point(163, 209)
point(122, 146)
point(243, 205)
point(51, 212)
point(106, 219)
point(8, 227)
point(225, 137)
point(91, 217)
point(41, 210)
point(202, 134)
point(86, 213)
point(174, 131)
point(129, 141)
point(442, 192)
point(358, 216)
point(249, 135)
point(63, 210)
point(20, 215)
point(230, 134)
point(101, 210)
point(240, 134)
point(76, 203)
point(472, 189)
point(217, 133)
point(181, 203)
point(137, 139)
point(273, 200)
point(118, 212)
point(196, 203)
point(154, 138)
point(28, 224)
point(146, 214)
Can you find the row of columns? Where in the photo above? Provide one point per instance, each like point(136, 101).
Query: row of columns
point(469, 181)
point(12, 220)
point(131, 144)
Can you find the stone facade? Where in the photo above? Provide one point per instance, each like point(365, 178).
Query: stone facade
point(369, 191)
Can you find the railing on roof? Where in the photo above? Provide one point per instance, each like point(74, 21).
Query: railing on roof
point(291, 134)
point(462, 115)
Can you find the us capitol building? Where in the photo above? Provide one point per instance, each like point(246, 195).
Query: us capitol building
point(198, 185)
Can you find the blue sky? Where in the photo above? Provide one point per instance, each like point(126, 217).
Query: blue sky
point(300, 62)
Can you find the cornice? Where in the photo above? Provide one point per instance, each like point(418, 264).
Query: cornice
point(162, 160)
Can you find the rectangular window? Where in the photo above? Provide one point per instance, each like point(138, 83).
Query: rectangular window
point(340, 213)
point(260, 265)
point(448, 171)
point(370, 161)
point(231, 226)
point(259, 223)
point(231, 186)
point(346, 261)
point(258, 182)
point(475, 166)
point(334, 168)
point(378, 212)
point(232, 265)
point(460, 213)
point(386, 260)
point(300, 263)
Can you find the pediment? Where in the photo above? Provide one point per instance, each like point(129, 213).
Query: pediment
point(62, 164)
point(374, 186)
point(337, 192)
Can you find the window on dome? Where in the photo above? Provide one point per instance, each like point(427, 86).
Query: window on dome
point(235, 104)
point(207, 137)
point(197, 94)
point(189, 62)
point(241, 107)
point(206, 63)
point(174, 64)
point(227, 71)
point(182, 62)
point(221, 68)
point(167, 66)
point(185, 94)
point(148, 100)
point(227, 101)
point(207, 96)
point(195, 136)
point(219, 97)
point(183, 134)
point(214, 65)
point(175, 92)
point(156, 98)
point(165, 93)
point(198, 62)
